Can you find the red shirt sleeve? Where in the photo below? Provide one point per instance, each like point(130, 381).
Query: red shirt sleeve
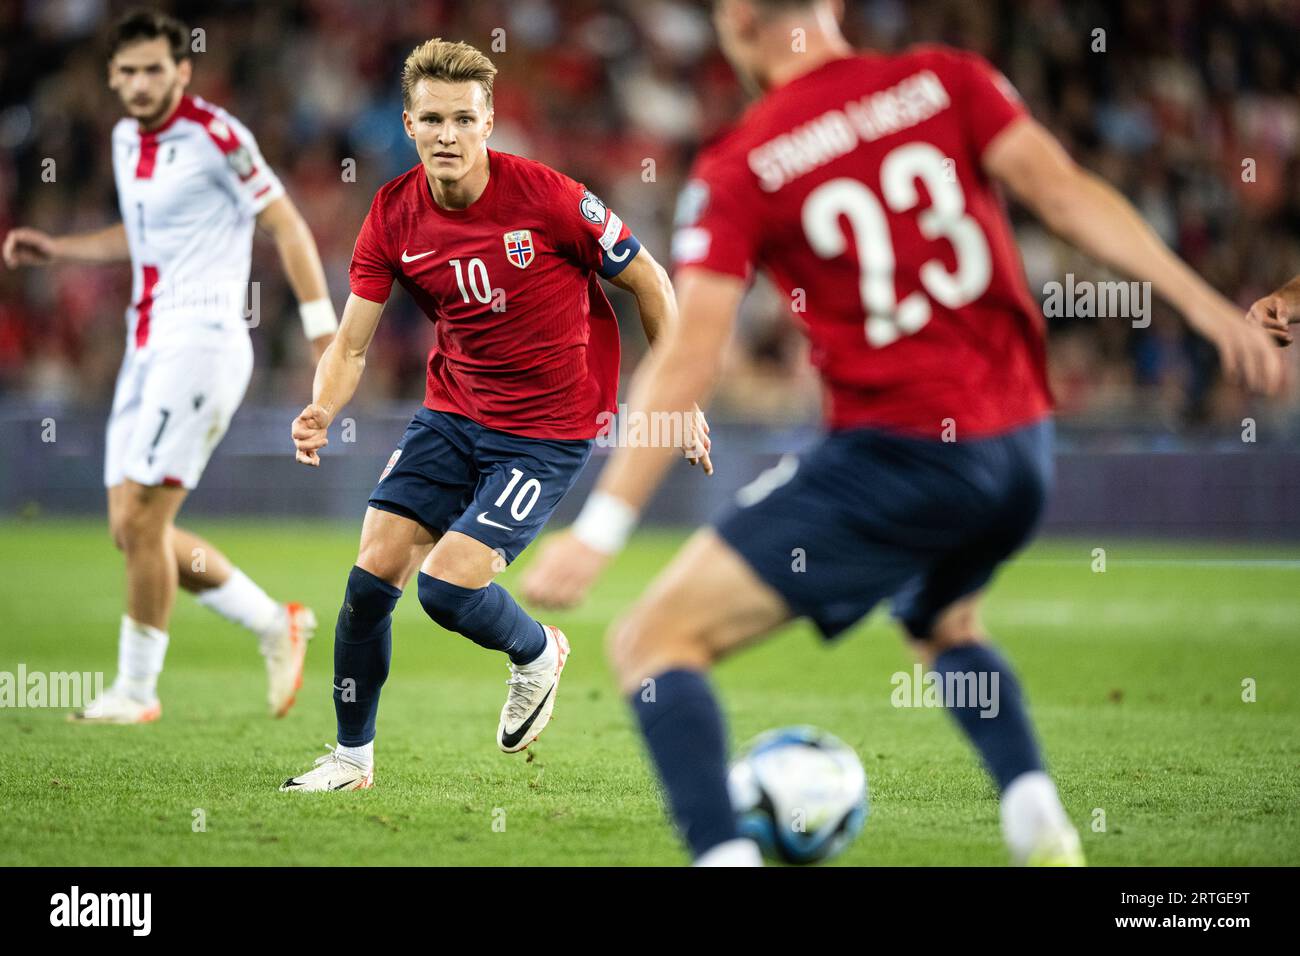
point(589, 232)
point(716, 225)
point(371, 272)
point(988, 102)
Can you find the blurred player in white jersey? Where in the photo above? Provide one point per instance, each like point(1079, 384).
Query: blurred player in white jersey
point(191, 185)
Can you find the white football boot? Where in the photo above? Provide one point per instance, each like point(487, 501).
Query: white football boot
point(738, 852)
point(1034, 823)
point(1057, 848)
point(115, 706)
point(333, 771)
point(285, 649)
point(531, 697)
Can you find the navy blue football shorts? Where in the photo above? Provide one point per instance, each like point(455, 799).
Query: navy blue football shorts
point(866, 515)
point(452, 474)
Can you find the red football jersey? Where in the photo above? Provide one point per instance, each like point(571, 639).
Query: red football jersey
point(525, 341)
point(858, 189)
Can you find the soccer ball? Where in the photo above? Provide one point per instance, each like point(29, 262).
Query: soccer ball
point(799, 793)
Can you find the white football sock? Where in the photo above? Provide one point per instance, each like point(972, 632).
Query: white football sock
point(1030, 811)
point(363, 756)
point(243, 602)
point(738, 852)
point(140, 653)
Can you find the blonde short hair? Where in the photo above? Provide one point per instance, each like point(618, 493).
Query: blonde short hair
point(440, 59)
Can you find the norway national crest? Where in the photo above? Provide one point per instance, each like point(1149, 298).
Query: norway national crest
point(519, 247)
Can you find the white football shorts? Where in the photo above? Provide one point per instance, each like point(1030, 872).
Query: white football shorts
point(171, 408)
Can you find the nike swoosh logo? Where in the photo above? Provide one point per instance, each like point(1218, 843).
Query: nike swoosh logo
point(406, 258)
point(513, 738)
point(484, 519)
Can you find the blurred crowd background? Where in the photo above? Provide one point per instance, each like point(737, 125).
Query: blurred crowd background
point(1187, 96)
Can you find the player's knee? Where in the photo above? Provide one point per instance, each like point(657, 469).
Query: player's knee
point(386, 563)
point(647, 640)
point(447, 604)
point(623, 644)
point(141, 524)
point(618, 641)
point(366, 602)
point(117, 531)
point(930, 648)
point(945, 634)
point(959, 623)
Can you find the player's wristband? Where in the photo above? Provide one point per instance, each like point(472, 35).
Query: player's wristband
point(605, 523)
point(318, 318)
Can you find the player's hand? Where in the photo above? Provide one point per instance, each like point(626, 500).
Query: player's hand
point(309, 434)
point(1246, 350)
point(696, 447)
point(1275, 312)
point(563, 572)
point(28, 247)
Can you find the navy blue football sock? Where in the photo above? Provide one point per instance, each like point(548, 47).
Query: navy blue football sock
point(684, 732)
point(488, 616)
point(363, 647)
point(982, 694)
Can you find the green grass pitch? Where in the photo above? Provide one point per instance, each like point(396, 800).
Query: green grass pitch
point(1135, 677)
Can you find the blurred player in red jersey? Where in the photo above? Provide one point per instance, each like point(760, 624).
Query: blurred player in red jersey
point(869, 183)
point(502, 254)
point(191, 185)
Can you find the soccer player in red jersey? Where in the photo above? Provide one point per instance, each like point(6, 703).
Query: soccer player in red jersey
point(869, 182)
point(502, 254)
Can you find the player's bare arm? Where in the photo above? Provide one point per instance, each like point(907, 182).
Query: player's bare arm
point(678, 374)
point(302, 266)
point(1278, 310)
point(32, 247)
point(647, 280)
point(337, 376)
point(1090, 214)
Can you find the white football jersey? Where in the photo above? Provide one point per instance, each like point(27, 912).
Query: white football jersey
point(189, 192)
